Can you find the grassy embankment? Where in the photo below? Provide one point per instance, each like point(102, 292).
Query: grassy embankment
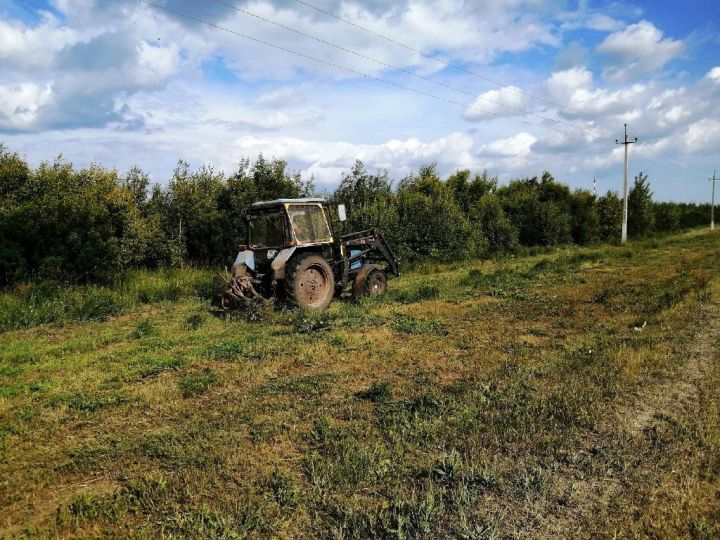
point(567, 393)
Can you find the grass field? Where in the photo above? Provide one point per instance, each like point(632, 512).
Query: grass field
point(573, 393)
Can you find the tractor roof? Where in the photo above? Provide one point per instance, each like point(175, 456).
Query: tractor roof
point(280, 202)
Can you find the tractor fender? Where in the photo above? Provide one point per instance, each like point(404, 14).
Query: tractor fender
point(359, 281)
point(245, 257)
point(279, 262)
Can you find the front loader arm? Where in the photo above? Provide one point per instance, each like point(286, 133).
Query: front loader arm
point(368, 241)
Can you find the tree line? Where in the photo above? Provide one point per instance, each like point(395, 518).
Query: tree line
point(84, 224)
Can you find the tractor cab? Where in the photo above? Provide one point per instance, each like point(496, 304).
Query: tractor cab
point(289, 222)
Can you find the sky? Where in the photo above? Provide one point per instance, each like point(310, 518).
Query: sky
point(514, 87)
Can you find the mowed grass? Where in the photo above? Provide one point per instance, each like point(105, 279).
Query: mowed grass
point(485, 399)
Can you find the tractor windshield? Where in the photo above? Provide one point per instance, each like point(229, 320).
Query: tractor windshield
point(266, 230)
point(309, 223)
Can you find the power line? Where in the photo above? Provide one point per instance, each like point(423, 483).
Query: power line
point(379, 79)
point(465, 70)
point(668, 160)
point(397, 68)
point(437, 58)
point(335, 66)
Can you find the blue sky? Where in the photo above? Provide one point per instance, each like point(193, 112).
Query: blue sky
point(544, 85)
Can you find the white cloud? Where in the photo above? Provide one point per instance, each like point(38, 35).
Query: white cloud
point(121, 83)
point(703, 135)
point(323, 157)
point(504, 101)
point(575, 88)
point(20, 104)
point(638, 49)
point(714, 74)
point(156, 64)
point(23, 48)
point(519, 145)
point(603, 23)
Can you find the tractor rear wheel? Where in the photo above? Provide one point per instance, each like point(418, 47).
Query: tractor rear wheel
point(309, 282)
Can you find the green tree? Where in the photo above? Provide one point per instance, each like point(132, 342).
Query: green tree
point(585, 218)
point(641, 218)
point(609, 209)
point(495, 231)
point(667, 217)
point(540, 209)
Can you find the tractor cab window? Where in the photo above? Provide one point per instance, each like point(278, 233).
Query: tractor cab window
point(266, 230)
point(309, 223)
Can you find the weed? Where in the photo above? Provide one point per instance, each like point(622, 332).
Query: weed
point(343, 464)
point(530, 481)
point(284, 490)
point(310, 322)
point(322, 432)
point(197, 383)
point(81, 401)
point(477, 279)
point(448, 469)
point(88, 508)
point(143, 329)
point(157, 366)
point(337, 341)
point(208, 286)
point(410, 325)
point(195, 321)
point(307, 386)
point(424, 292)
point(378, 392)
point(19, 353)
point(483, 441)
point(226, 349)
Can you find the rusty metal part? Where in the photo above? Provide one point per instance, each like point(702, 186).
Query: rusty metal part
point(313, 285)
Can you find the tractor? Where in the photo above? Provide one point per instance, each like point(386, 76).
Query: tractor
point(293, 253)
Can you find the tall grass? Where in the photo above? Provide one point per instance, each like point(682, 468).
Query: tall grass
point(44, 302)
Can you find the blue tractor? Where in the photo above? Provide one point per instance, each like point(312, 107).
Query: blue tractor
point(293, 253)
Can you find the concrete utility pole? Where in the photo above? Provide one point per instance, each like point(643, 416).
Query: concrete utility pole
point(594, 186)
point(627, 142)
point(712, 203)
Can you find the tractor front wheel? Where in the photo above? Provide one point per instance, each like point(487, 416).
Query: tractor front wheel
point(370, 280)
point(309, 282)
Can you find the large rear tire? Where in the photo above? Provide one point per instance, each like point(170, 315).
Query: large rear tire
point(309, 282)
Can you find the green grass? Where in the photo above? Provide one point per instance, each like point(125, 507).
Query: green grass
point(482, 399)
point(48, 302)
